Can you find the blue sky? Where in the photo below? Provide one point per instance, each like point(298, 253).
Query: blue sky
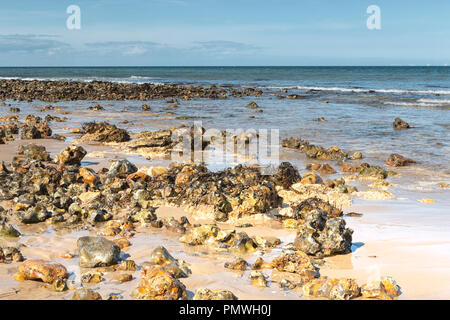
point(224, 32)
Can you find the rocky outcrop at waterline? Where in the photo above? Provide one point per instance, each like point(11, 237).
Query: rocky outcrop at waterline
point(24, 90)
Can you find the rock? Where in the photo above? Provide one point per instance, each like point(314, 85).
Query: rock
point(369, 171)
point(356, 156)
point(218, 294)
point(97, 107)
point(86, 294)
point(91, 277)
point(443, 185)
point(146, 107)
point(71, 155)
point(335, 289)
point(120, 169)
point(287, 284)
point(258, 279)
point(34, 152)
point(384, 289)
point(144, 216)
point(44, 129)
point(122, 243)
point(34, 215)
point(89, 176)
point(89, 197)
point(397, 160)
point(286, 175)
point(43, 270)
point(297, 262)
point(311, 178)
point(400, 124)
point(252, 105)
point(97, 252)
point(104, 132)
point(128, 265)
point(59, 285)
point(10, 254)
point(30, 132)
point(162, 257)
point(326, 238)
point(8, 231)
point(158, 284)
point(238, 264)
point(123, 278)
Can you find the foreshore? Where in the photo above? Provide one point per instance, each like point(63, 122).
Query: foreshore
point(399, 231)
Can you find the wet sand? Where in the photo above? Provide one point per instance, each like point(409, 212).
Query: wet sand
point(402, 238)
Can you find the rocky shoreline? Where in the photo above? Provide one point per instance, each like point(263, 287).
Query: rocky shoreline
point(23, 90)
point(118, 203)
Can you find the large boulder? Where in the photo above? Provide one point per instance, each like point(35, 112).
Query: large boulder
point(97, 252)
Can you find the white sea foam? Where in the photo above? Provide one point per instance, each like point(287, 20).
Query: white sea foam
point(419, 103)
point(339, 89)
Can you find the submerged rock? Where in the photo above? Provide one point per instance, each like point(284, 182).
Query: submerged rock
point(252, 105)
point(97, 252)
point(397, 160)
point(400, 124)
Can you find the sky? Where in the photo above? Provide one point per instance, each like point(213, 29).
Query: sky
point(224, 33)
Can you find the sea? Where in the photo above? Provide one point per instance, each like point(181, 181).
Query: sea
point(362, 103)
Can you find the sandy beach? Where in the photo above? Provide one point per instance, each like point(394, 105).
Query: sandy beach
point(398, 234)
